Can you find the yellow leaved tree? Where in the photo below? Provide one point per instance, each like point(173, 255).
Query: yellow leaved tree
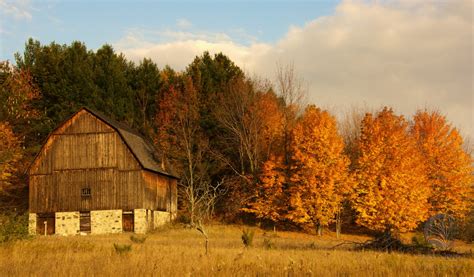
point(449, 167)
point(392, 191)
point(269, 199)
point(319, 167)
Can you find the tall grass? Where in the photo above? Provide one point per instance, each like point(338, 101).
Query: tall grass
point(178, 252)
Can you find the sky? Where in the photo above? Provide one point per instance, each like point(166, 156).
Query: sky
point(407, 54)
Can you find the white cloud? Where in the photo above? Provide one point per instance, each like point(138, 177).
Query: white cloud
point(178, 48)
point(19, 10)
point(405, 54)
point(183, 23)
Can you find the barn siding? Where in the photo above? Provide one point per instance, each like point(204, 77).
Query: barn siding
point(160, 192)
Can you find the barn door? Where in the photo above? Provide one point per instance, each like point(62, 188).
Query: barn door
point(45, 224)
point(85, 222)
point(127, 221)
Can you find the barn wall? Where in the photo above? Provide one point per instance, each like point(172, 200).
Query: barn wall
point(160, 218)
point(106, 222)
point(32, 217)
point(85, 153)
point(110, 189)
point(67, 223)
point(161, 193)
point(140, 220)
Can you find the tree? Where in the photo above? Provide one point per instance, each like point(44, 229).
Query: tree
point(319, 170)
point(145, 82)
point(449, 167)
point(291, 90)
point(392, 191)
point(181, 138)
point(10, 154)
point(249, 114)
point(269, 201)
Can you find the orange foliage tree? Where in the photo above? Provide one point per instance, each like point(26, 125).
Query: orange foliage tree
point(449, 167)
point(269, 196)
point(318, 170)
point(391, 192)
point(10, 154)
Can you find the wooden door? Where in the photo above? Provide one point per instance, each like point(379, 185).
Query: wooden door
point(127, 221)
point(85, 222)
point(45, 221)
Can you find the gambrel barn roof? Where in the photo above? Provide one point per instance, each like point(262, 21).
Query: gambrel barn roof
point(139, 146)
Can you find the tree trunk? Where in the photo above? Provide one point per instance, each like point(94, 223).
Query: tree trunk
point(338, 224)
point(319, 229)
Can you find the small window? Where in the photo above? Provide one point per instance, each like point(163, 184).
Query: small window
point(86, 192)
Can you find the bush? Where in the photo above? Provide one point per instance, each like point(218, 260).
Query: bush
point(268, 243)
point(122, 248)
point(13, 227)
point(138, 239)
point(247, 237)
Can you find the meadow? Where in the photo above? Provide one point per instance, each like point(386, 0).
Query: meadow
point(176, 251)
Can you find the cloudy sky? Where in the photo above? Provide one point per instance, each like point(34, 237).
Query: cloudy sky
point(408, 54)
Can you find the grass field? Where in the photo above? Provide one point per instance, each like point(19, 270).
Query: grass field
point(174, 251)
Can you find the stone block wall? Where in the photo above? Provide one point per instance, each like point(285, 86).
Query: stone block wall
point(67, 223)
point(140, 221)
point(160, 218)
point(106, 222)
point(32, 218)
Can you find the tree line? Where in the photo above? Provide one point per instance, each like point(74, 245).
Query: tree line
point(244, 148)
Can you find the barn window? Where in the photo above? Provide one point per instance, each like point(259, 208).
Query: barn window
point(86, 192)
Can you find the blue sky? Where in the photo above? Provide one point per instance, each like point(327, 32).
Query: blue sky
point(350, 54)
point(99, 22)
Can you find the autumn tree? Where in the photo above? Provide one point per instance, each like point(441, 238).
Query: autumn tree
point(249, 114)
point(10, 154)
point(269, 199)
point(18, 93)
point(290, 89)
point(181, 138)
point(18, 132)
point(449, 167)
point(391, 192)
point(319, 170)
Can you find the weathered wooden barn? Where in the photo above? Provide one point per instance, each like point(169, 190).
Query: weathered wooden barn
point(94, 175)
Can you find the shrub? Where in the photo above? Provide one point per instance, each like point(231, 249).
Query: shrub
point(268, 243)
point(138, 239)
point(13, 227)
point(122, 248)
point(247, 237)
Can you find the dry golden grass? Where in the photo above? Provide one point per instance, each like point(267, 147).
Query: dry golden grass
point(180, 252)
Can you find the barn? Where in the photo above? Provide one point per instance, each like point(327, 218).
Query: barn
point(95, 175)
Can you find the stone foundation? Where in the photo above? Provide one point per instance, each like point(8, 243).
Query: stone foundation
point(67, 223)
point(32, 224)
point(160, 218)
point(106, 222)
point(140, 221)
